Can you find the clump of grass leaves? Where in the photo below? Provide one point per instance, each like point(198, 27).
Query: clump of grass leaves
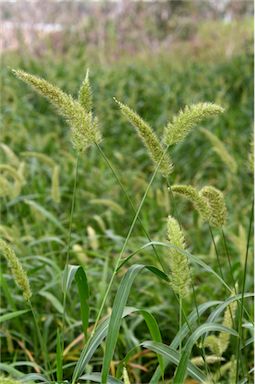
point(209, 202)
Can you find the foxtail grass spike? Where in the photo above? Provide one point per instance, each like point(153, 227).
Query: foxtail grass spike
point(55, 191)
point(84, 131)
point(215, 199)
point(221, 151)
point(181, 125)
point(200, 361)
point(228, 321)
point(17, 270)
point(149, 139)
point(178, 261)
point(85, 94)
point(125, 376)
point(199, 202)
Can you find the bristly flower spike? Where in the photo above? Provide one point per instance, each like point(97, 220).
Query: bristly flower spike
point(181, 125)
point(193, 195)
point(149, 138)
point(84, 128)
point(215, 199)
point(85, 94)
point(17, 270)
point(179, 264)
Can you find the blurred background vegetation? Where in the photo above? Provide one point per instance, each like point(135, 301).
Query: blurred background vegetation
point(156, 57)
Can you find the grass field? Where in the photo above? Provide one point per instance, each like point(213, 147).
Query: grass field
point(56, 208)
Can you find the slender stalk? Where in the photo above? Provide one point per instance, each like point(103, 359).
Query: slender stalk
point(130, 201)
point(240, 319)
point(216, 251)
point(69, 241)
point(180, 321)
point(40, 338)
point(125, 243)
point(228, 257)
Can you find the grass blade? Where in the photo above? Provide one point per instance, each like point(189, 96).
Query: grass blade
point(59, 359)
point(83, 288)
point(180, 373)
point(12, 315)
point(174, 357)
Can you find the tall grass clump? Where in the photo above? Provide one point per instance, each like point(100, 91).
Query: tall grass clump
point(88, 317)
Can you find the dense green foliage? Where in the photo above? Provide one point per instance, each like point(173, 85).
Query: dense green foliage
point(37, 226)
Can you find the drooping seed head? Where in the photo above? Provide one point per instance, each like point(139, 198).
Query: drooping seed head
point(85, 94)
point(199, 202)
point(221, 150)
point(19, 274)
point(215, 200)
point(149, 138)
point(180, 273)
point(84, 130)
point(181, 125)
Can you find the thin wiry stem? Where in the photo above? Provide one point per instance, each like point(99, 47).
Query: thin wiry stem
point(228, 257)
point(202, 352)
point(216, 251)
point(40, 338)
point(129, 200)
point(240, 318)
point(69, 241)
point(124, 247)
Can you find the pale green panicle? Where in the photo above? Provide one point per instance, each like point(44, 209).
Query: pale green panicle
point(219, 344)
point(85, 94)
point(13, 158)
point(216, 201)
point(228, 321)
point(180, 273)
point(10, 380)
point(40, 156)
point(55, 190)
point(5, 187)
point(251, 155)
point(180, 126)
point(9, 189)
point(213, 343)
point(200, 361)
point(84, 130)
point(151, 141)
point(221, 150)
point(232, 370)
point(125, 376)
point(19, 274)
point(197, 200)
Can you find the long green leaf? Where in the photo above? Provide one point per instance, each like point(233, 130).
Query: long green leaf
point(96, 377)
point(173, 356)
point(117, 310)
point(93, 344)
point(53, 300)
point(48, 215)
point(182, 333)
point(59, 358)
point(12, 315)
point(115, 320)
point(180, 373)
point(83, 288)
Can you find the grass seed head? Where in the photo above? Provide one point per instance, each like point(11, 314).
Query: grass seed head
point(199, 202)
point(84, 130)
point(216, 201)
point(182, 124)
point(19, 274)
point(178, 261)
point(149, 138)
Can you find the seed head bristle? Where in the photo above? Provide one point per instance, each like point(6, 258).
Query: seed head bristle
point(182, 124)
point(149, 138)
point(19, 274)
